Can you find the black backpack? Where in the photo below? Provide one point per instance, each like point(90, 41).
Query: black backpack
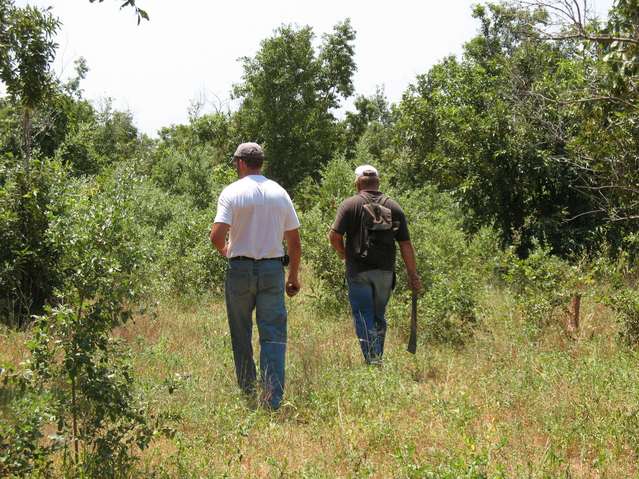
point(377, 233)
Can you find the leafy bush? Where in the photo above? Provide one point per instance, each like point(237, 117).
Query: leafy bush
point(541, 282)
point(29, 269)
point(452, 266)
point(104, 254)
point(625, 302)
point(88, 373)
point(105, 248)
point(326, 282)
point(619, 292)
point(23, 450)
point(188, 264)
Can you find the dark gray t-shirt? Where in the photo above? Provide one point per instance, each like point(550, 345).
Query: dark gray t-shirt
point(348, 223)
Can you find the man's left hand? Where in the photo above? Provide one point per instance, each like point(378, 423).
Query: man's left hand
point(292, 287)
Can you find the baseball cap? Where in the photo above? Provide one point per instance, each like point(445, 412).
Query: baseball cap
point(366, 170)
point(249, 151)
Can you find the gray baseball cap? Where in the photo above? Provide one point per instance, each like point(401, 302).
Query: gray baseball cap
point(366, 170)
point(250, 151)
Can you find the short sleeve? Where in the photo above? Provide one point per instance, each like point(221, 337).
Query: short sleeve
point(340, 225)
point(402, 232)
point(224, 212)
point(291, 221)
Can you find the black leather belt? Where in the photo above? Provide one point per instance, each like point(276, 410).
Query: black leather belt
point(284, 259)
point(246, 258)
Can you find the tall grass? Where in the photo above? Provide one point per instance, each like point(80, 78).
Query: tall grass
point(507, 404)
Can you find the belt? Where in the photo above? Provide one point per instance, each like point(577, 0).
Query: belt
point(246, 258)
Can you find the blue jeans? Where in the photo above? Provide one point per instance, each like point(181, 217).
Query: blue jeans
point(258, 285)
point(368, 293)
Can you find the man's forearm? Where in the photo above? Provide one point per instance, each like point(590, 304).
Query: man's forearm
point(294, 254)
point(408, 255)
point(294, 248)
point(218, 237)
point(337, 242)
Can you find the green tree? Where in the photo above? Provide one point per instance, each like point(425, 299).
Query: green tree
point(186, 156)
point(289, 93)
point(604, 149)
point(371, 113)
point(26, 52)
point(492, 129)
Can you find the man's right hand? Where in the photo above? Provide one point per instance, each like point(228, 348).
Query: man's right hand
point(415, 283)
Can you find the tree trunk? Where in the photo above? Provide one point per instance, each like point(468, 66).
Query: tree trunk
point(573, 319)
point(26, 137)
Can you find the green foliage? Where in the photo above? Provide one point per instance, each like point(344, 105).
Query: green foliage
point(492, 128)
point(288, 96)
point(105, 248)
point(618, 277)
point(451, 266)
point(542, 282)
point(29, 270)
point(188, 265)
point(625, 302)
point(619, 42)
point(193, 160)
point(88, 373)
point(22, 449)
point(371, 113)
point(105, 258)
point(328, 276)
point(26, 51)
point(472, 467)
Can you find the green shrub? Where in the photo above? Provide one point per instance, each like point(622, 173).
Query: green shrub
point(100, 421)
point(105, 245)
point(188, 264)
point(452, 266)
point(625, 302)
point(327, 274)
point(105, 253)
point(29, 269)
point(24, 451)
point(618, 278)
point(541, 282)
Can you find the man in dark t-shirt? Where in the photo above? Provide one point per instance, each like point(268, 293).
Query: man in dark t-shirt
point(370, 280)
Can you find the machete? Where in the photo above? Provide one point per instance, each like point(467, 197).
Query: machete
point(412, 341)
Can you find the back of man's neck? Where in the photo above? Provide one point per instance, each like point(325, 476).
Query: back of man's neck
point(251, 173)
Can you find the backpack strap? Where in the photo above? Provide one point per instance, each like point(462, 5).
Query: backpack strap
point(381, 200)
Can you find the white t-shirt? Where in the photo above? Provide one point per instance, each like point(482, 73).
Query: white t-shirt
point(259, 211)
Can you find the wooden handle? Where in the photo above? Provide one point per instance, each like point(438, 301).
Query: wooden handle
point(412, 341)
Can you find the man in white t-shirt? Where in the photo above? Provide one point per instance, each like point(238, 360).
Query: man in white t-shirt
point(257, 214)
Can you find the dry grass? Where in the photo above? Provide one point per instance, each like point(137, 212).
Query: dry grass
point(508, 404)
point(513, 402)
point(12, 347)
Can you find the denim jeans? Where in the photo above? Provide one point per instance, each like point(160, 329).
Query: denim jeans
point(368, 293)
point(258, 285)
